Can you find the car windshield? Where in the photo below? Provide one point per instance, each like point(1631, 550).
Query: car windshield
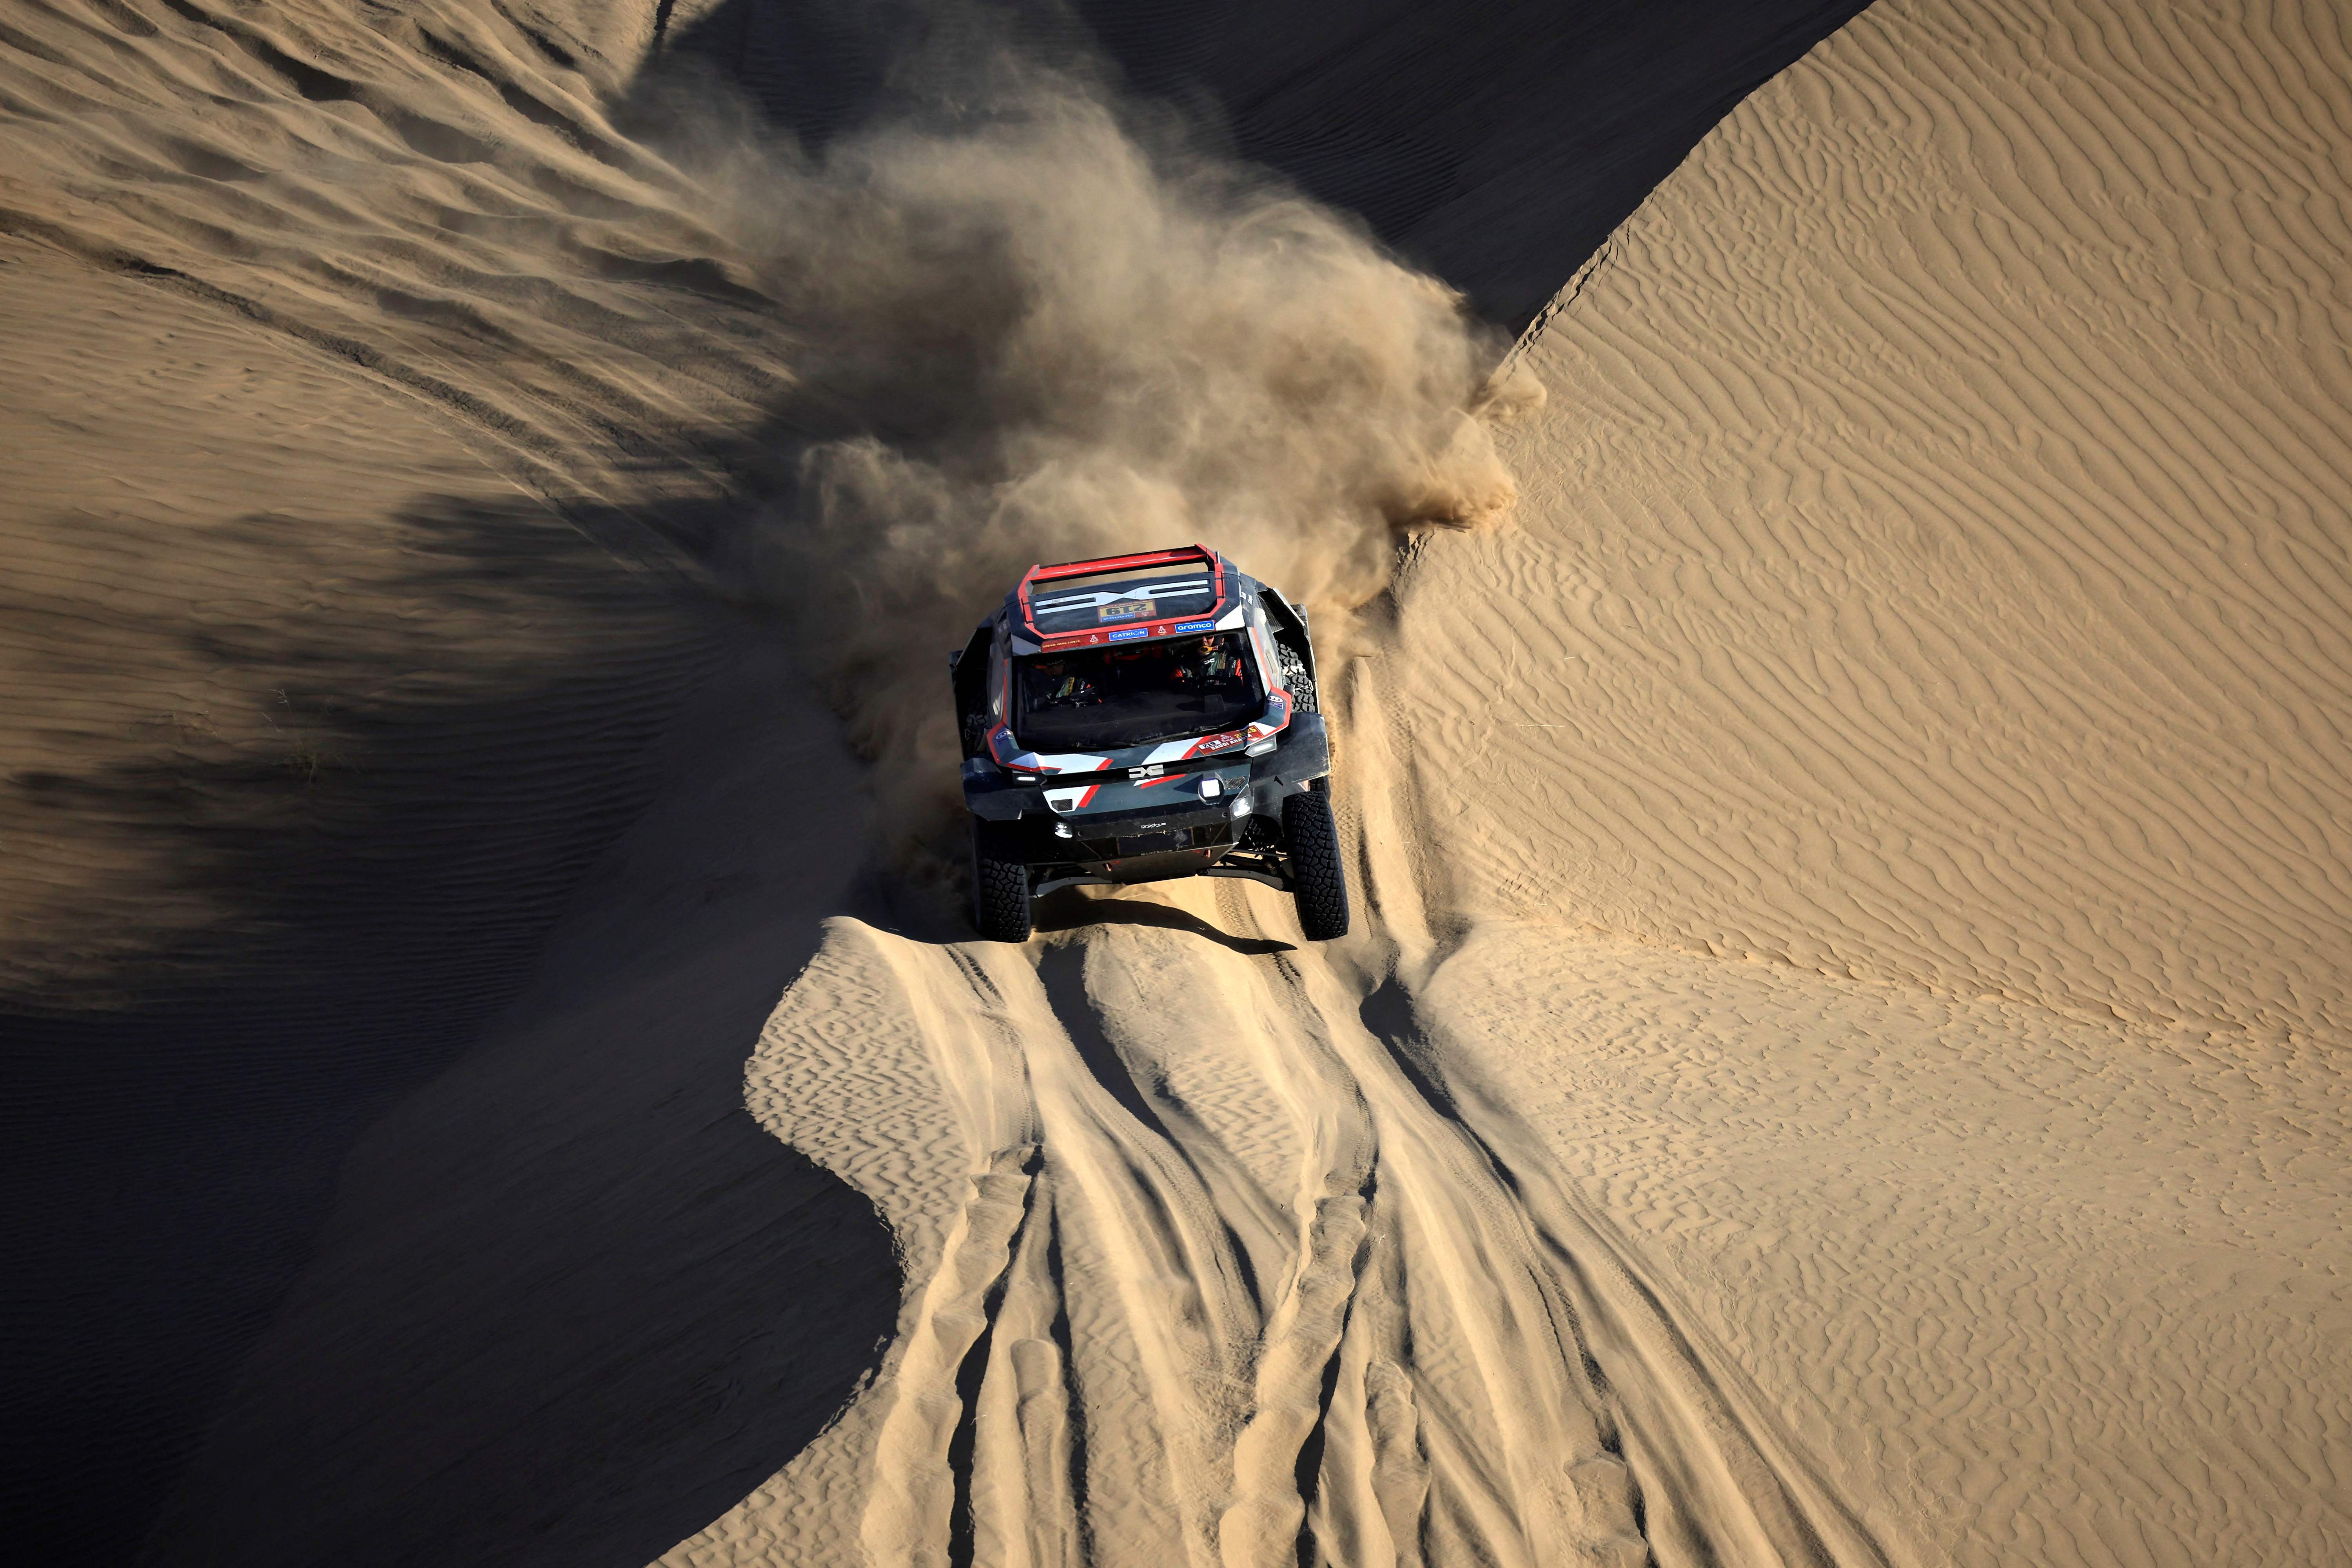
point(1106, 697)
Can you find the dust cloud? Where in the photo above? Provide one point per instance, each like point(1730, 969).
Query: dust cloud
point(1036, 324)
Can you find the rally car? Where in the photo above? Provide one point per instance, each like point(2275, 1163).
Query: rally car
point(1138, 718)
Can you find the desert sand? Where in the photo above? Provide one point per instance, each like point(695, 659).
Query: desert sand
point(1936, 713)
point(1841, 1058)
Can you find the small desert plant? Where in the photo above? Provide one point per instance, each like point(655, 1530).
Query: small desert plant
point(305, 756)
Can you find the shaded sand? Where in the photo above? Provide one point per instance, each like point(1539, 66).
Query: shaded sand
point(320, 696)
point(379, 403)
point(312, 721)
point(573, 1302)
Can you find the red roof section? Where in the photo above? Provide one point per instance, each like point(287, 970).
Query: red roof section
point(1185, 555)
point(1200, 552)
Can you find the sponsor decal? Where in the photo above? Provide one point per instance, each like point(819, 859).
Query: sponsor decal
point(1195, 627)
point(1128, 610)
point(1127, 634)
point(1276, 715)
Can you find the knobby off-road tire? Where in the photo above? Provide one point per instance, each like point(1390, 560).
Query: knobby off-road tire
point(1294, 678)
point(1000, 884)
point(1317, 882)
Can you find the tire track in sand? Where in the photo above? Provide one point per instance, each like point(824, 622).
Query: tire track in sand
point(1210, 1263)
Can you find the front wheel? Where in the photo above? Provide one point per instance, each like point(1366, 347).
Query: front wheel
point(1000, 884)
point(1318, 884)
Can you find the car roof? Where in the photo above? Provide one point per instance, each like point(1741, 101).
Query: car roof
point(1123, 598)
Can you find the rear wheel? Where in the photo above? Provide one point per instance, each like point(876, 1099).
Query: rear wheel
point(1294, 678)
point(999, 883)
point(1318, 884)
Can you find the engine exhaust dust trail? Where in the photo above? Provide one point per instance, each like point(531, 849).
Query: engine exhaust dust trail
point(1035, 323)
point(1208, 1263)
point(1200, 1267)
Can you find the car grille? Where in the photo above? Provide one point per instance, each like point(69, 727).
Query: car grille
point(1207, 835)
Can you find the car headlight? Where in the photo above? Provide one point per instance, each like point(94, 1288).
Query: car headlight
point(1261, 748)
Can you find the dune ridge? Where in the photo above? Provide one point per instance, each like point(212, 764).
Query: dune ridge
point(1944, 481)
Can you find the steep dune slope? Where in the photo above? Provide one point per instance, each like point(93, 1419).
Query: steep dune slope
point(1936, 565)
point(1905, 741)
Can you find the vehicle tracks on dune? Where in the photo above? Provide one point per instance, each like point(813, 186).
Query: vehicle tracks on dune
point(1211, 1262)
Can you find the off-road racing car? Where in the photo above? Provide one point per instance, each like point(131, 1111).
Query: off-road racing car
point(1138, 718)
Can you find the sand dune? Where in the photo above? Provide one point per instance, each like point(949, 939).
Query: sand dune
point(1924, 650)
point(1838, 1061)
point(2026, 1286)
point(1940, 574)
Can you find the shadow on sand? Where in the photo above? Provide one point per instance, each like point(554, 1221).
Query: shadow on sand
point(571, 1302)
point(1072, 911)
